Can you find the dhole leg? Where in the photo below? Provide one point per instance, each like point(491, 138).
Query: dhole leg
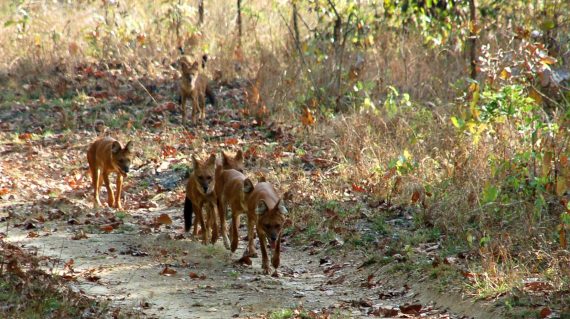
point(223, 228)
point(213, 222)
point(183, 106)
point(194, 110)
point(199, 220)
point(264, 257)
point(111, 197)
point(203, 107)
point(250, 238)
point(234, 231)
point(96, 181)
point(276, 254)
point(118, 204)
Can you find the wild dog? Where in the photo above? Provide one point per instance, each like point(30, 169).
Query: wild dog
point(105, 156)
point(267, 211)
point(228, 163)
point(235, 162)
point(231, 189)
point(195, 197)
point(194, 85)
point(200, 194)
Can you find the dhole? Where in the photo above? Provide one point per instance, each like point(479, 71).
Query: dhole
point(194, 85)
point(231, 188)
point(268, 212)
point(106, 156)
point(200, 193)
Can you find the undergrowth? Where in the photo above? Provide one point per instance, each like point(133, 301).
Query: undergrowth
point(481, 163)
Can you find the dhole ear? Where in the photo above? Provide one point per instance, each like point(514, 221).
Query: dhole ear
point(195, 162)
point(281, 207)
point(239, 155)
point(194, 65)
point(183, 63)
point(247, 186)
point(116, 147)
point(262, 179)
point(261, 208)
point(211, 160)
point(225, 158)
point(129, 146)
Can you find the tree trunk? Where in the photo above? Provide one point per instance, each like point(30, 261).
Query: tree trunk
point(473, 38)
point(200, 12)
point(295, 19)
point(239, 20)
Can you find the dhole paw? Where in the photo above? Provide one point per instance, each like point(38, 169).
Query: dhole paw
point(275, 262)
point(227, 243)
point(251, 253)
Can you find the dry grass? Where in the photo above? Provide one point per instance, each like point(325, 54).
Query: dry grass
point(447, 169)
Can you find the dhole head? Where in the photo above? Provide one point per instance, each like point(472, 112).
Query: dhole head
point(122, 156)
point(204, 173)
point(233, 163)
point(188, 67)
point(271, 220)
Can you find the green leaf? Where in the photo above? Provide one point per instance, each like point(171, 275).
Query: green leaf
point(457, 122)
point(9, 23)
point(565, 217)
point(484, 241)
point(490, 194)
point(548, 25)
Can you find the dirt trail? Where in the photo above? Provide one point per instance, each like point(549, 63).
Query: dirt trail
point(125, 268)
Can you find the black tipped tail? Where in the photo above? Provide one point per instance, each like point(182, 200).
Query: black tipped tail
point(188, 211)
point(210, 95)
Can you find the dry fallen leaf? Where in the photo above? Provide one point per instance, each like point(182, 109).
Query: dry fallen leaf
point(411, 309)
point(358, 188)
point(33, 234)
point(245, 260)
point(415, 196)
point(385, 312)
point(307, 117)
point(538, 286)
point(168, 150)
point(194, 275)
point(106, 228)
point(168, 271)
point(231, 141)
point(25, 136)
point(164, 219)
point(545, 312)
point(79, 235)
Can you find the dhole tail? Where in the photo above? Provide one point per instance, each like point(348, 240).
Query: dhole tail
point(210, 95)
point(188, 211)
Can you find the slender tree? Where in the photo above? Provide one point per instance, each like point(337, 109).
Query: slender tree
point(239, 20)
point(200, 12)
point(295, 18)
point(473, 38)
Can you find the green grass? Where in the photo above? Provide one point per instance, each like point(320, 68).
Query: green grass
point(281, 314)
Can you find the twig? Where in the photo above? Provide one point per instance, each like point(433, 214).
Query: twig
point(302, 57)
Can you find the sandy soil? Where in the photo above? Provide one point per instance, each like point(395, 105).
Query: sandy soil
point(125, 267)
